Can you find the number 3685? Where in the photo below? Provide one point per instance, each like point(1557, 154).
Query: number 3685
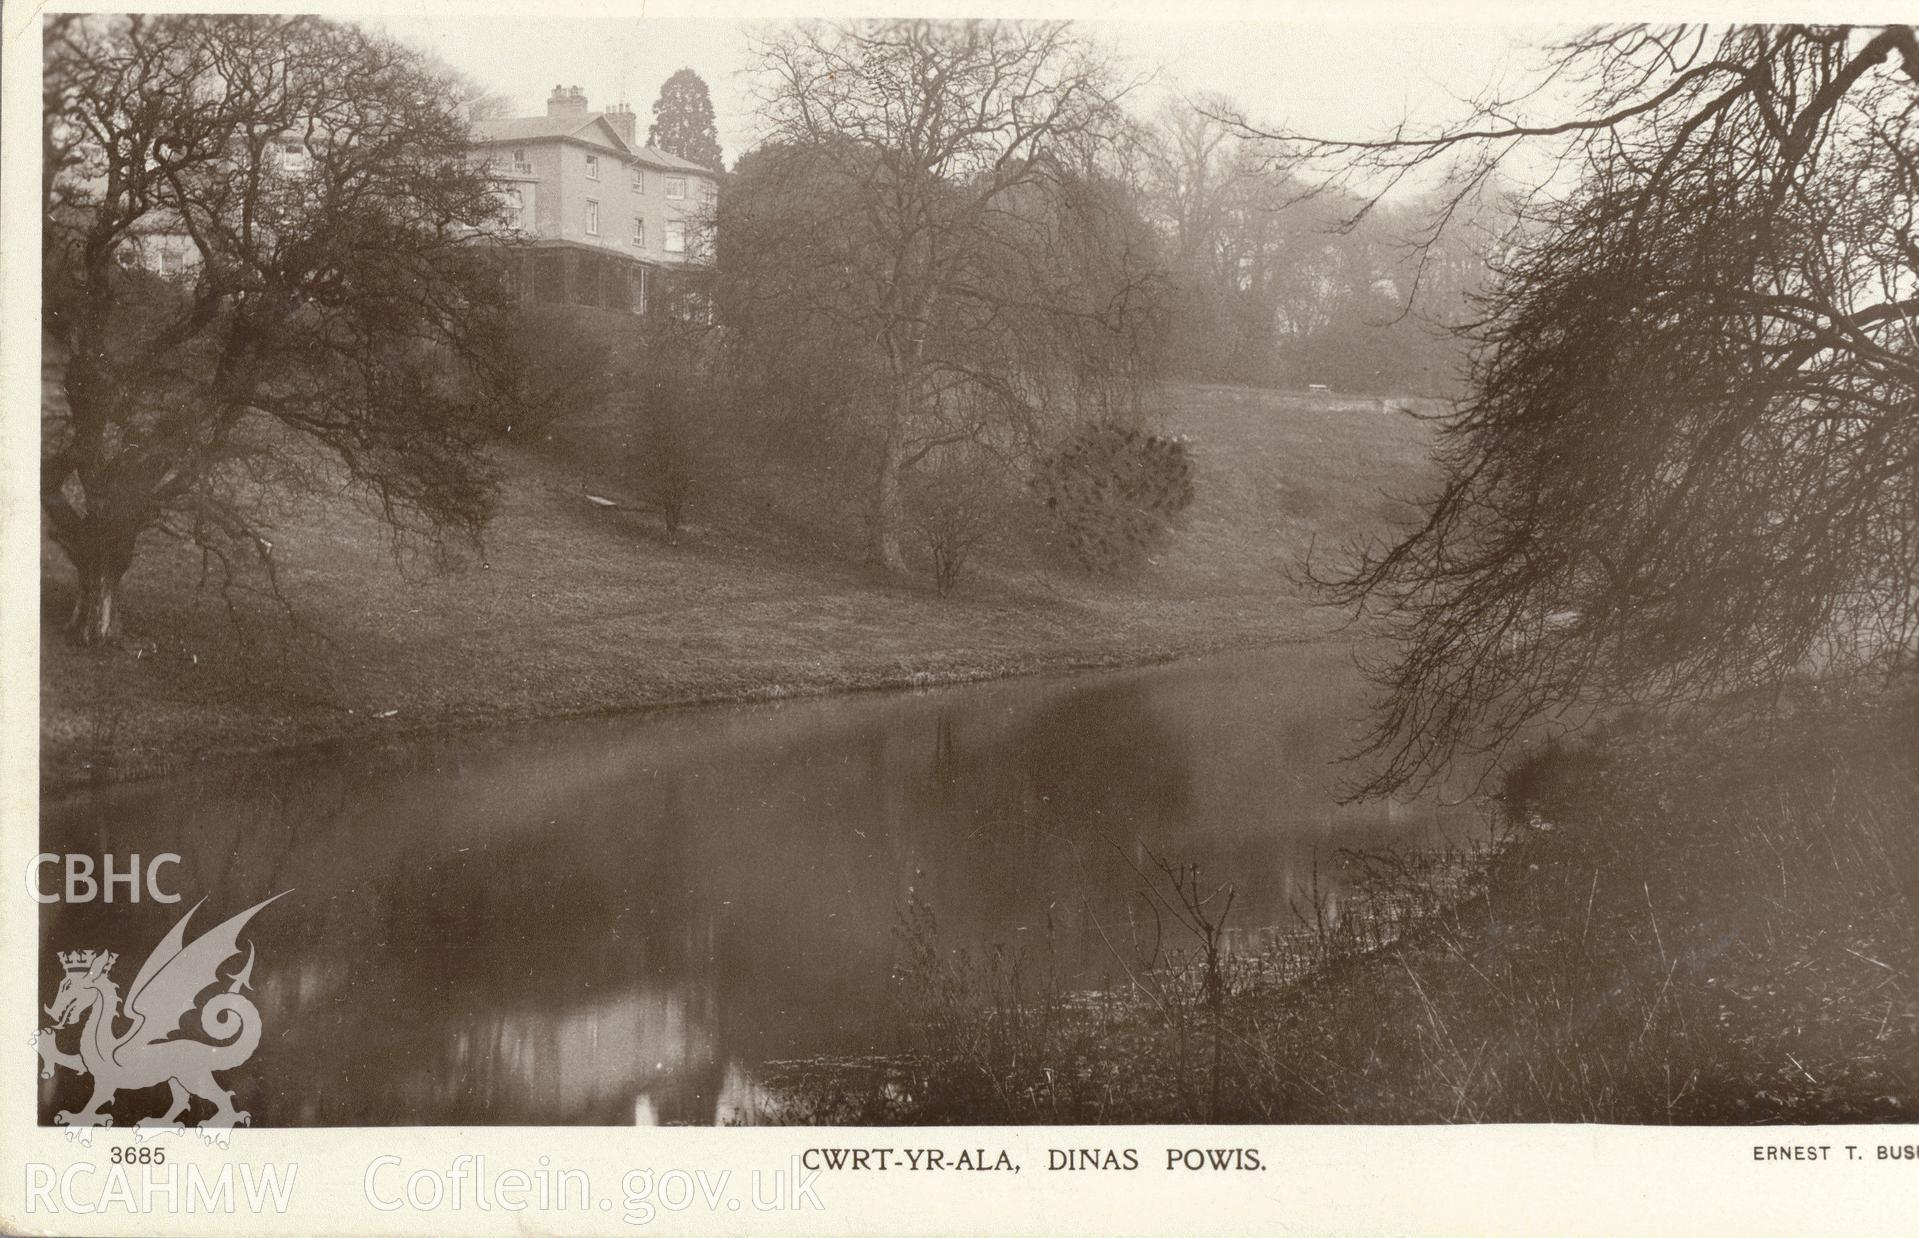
point(144, 1155)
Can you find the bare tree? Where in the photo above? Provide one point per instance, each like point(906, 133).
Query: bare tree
point(1689, 467)
point(1191, 169)
point(959, 503)
point(677, 384)
point(258, 232)
point(1276, 281)
point(915, 163)
point(555, 362)
point(1193, 160)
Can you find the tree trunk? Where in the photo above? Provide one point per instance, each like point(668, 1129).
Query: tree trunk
point(97, 586)
point(883, 514)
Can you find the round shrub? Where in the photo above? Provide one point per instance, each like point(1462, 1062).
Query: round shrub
point(1113, 492)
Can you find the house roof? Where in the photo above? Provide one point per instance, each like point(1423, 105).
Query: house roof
point(591, 128)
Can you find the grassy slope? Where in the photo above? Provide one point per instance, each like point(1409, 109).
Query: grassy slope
point(580, 609)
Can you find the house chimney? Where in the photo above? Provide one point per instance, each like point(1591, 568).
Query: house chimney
point(568, 101)
point(623, 121)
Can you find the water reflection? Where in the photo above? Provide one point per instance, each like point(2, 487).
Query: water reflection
point(618, 920)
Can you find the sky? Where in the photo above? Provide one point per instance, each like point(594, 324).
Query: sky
point(1330, 78)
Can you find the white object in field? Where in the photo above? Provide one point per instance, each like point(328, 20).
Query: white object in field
point(1317, 387)
point(599, 501)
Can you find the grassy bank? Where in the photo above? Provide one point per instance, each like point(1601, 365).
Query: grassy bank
point(1683, 927)
point(575, 608)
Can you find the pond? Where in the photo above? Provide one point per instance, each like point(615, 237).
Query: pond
point(620, 919)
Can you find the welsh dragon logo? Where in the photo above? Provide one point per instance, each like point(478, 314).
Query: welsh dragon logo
point(144, 1045)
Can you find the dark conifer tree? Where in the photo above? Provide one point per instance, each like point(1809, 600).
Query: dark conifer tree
point(683, 121)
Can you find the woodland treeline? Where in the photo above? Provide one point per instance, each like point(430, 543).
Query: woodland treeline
point(942, 295)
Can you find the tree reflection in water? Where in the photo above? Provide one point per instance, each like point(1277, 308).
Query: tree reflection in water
point(618, 920)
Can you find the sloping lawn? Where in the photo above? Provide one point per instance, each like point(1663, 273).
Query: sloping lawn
point(573, 607)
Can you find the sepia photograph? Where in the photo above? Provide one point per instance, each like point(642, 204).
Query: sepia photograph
point(829, 571)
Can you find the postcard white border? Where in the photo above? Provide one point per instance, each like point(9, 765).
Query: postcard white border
point(1484, 1179)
